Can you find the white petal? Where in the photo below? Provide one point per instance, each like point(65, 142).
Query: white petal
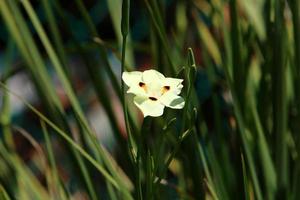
point(149, 107)
point(152, 76)
point(137, 90)
point(132, 78)
point(174, 83)
point(171, 100)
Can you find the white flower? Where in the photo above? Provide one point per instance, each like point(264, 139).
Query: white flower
point(153, 91)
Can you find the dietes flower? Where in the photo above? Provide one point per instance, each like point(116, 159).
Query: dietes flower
point(153, 91)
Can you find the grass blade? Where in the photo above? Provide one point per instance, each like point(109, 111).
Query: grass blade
point(66, 137)
point(279, 101)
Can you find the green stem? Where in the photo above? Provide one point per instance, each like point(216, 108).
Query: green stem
point(205, 165)
point(145, 151)
point(238, 112)
point(135, 160)
point(93, 30)
point(56, 35)
point(162, 173)
point(238, 68)
point(52, 162)
point(279, 101)
point(5, 115)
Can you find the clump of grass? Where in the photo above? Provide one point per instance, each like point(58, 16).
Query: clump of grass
point(236, 137)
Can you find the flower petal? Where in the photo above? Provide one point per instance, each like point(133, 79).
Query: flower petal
point(152, 76)
point(174, 83)
point(171, 100)
point(149, 107)
point(132, 78)
point(137, 90)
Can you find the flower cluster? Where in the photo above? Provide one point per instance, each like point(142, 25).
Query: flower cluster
point(153, 91)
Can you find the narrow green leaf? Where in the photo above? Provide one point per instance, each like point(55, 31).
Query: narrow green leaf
point(3, 194)
point(245, 178)
point(67, 86)
point(51, 158)
point(66, 137)
point(280, 100)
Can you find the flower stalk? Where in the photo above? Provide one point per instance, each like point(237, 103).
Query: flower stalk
point(134, 158)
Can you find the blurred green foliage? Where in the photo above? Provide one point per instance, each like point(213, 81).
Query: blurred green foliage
point(236, 138)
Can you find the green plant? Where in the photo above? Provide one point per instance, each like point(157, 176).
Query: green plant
point(236, 137)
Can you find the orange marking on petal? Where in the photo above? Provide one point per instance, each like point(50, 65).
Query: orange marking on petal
point(165, 89)
point(143, 85)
